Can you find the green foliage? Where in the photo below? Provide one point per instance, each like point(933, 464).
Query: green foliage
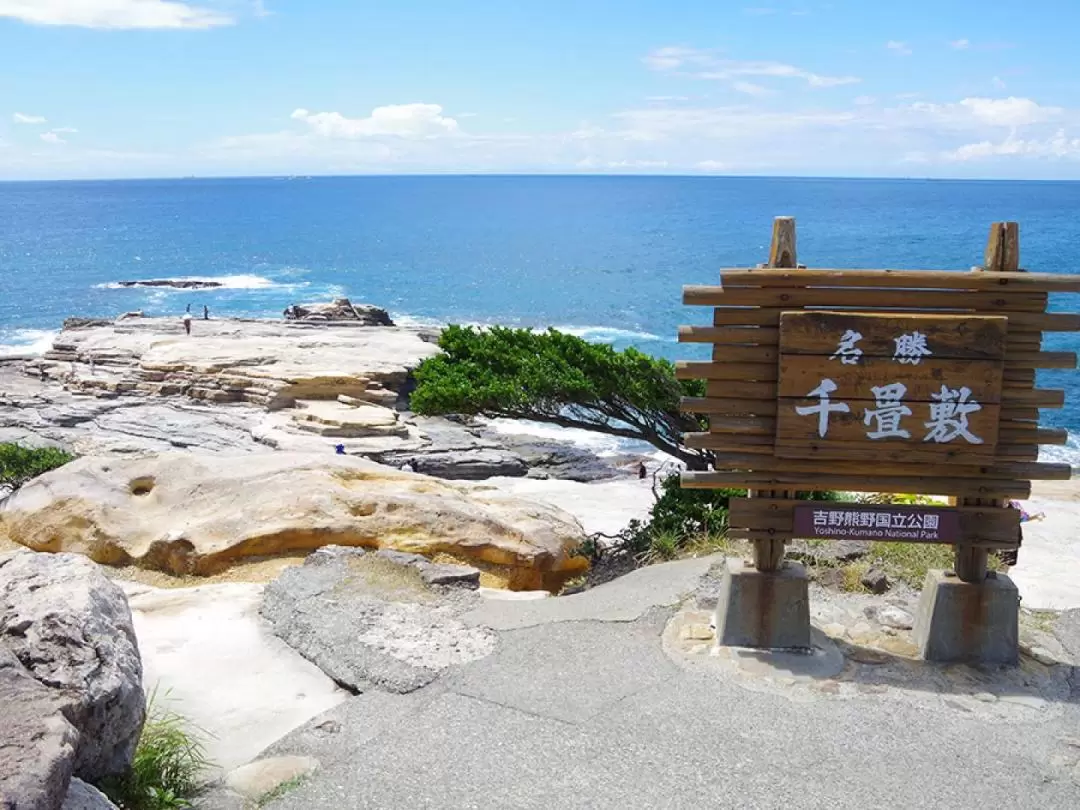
point(285, 787)
point(682, 519)
point(562, 379)
point(165, 771)
point(19, 464)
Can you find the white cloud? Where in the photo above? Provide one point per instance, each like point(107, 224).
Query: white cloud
point(702, 64)
point(404, 120)
point(52, 137)
point(23, 118)
point(900, 48)
point(665, 99)
point(998, 112)
point(114, 13)
point(864, 101)
point(750, 89)
point(960, 44)
point(1058, 145)
point(998, 83)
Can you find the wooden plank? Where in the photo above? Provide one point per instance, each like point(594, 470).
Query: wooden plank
point(823, 482)
point(983, 524)
point(793, 297)
point(1040, 360)
point(1038, 397)
point(731, 389)
point(910, 279)
point(746, 354)
point(728, 407)
point(729, 334)
point(1024, 323)
point(708, 370)
point(758, 316)
point(1008, 434)
point(994, 468)
point(801, 374)
point(1045, 321)
point(961, 337)
point(1018, 377)
point(747, 425)
point(1017, 413)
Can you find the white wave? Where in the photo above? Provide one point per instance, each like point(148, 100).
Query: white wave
point(236, 282)
point(607, 334)
point(593, 334)
point(1068, 453)
point(26, 341)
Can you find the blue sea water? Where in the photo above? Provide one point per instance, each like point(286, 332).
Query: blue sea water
point(605, 257)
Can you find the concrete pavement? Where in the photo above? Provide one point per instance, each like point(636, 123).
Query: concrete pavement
point(583, 705)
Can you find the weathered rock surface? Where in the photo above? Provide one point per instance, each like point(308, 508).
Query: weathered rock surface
point(37, 744)
point(340, 309)
point(70, 627)
point(184, 513)
point(175, 283)
point(263, 776)
point(369, 621)
point(81, 796)
point(262, 362)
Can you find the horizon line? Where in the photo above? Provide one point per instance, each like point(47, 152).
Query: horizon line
point(636, 175)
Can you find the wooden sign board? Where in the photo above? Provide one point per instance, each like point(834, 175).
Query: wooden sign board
point(857, 386)
point(783, 519)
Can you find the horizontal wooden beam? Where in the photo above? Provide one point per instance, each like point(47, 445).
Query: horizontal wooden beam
point(753, 335)
point(728, 406)
point(914, 279)
point(825, 482)
point(996, 468)
point(794, 297)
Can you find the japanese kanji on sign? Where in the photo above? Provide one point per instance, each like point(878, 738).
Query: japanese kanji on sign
point(878, 381)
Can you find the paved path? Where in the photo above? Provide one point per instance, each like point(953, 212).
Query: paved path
point(583, 706)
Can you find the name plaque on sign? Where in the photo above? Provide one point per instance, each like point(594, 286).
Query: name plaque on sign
point(918, 524)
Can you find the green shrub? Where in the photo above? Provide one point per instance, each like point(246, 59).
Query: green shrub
point(168, 761)
point(561, 379)
point(681, 519)
point(19, 464)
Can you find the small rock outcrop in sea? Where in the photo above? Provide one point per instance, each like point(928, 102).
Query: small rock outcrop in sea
point(71, 676)
point(175, 283)
point(197, 514)
point(340, 309)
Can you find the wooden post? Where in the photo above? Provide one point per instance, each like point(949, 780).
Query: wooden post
point(1002, 256)
point(769, 554)
point(782, 250)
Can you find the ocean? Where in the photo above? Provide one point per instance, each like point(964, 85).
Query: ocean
point(604, 257)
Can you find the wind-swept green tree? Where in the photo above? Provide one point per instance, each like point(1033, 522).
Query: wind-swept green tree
point(561, 379)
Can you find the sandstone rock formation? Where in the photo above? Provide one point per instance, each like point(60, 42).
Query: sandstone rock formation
point(266, 363)
point(197, 514)
point(340, 309)
point(70, 627)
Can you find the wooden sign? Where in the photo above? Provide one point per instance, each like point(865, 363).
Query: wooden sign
point(885, 387)
point(920, 524)
point(910, 381)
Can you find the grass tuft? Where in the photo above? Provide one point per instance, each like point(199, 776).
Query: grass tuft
point(168, 762)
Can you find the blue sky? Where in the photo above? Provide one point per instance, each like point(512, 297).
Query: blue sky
point(151, 88)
